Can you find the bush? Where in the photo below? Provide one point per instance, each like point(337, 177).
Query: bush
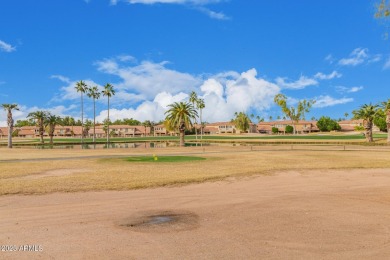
point(289, 129)
point(326, 124)
point(359, 128)
point(275, 130)
point(380, 121)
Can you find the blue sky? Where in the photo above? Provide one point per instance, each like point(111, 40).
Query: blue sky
point(237, 55)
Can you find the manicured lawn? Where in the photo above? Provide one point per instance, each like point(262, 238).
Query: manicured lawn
point(191, 138)
point(163, 159)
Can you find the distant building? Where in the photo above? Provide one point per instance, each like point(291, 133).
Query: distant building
point(302, 127)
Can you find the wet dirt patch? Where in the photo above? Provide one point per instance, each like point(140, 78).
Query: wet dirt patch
point(160, 221)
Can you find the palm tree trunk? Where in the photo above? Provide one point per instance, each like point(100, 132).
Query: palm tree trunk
point(10, 130)
point(201, 126)
point(388, 125)
point(10, 123)
point(51, 139)
point(108, 121)
point(368, 130)
point(82, 119)
point(94, 116)
point(182, 138)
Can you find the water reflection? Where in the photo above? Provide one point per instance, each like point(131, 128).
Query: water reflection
point(117, 145)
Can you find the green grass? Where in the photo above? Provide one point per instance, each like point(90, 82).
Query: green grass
point(163, 159)
point(189, 138)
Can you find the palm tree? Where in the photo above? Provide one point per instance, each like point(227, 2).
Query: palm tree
point(40, 120)
point(94, 94)
point(82, 88)
point(179, 116)
point(52, 121)
point(242, 122)
point(200, 105)
point(367, 113)
point(10, 120)
point(346, 115)
point(108, 92)
point(386, 107)
point(194, 101)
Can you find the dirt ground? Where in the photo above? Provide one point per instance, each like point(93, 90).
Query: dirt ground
point(329, 214)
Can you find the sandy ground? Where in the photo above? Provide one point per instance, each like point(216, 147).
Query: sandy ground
point(290, 215)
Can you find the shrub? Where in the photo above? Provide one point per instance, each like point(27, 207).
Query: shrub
point(275, 130)
point(289, 129)
point(359, 128)
point(326, 124)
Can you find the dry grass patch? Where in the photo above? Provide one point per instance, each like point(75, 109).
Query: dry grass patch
point(117, 174)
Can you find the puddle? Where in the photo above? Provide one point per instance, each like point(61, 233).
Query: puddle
point(166, 221)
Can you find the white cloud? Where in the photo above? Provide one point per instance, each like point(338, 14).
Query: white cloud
point(6, 47)
point(343, 89)
point(387, 64)
point(213, 14)
point(224, 94)
point(197, 4)
point(332, 75)
point(330, 58)
point(23, 112)
point(358, 56)
point(148, 78)
point(301, 83)
point(61, 78)
point(328, 101)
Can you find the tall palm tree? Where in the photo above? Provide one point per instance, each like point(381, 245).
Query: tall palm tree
point(179, 116)
point(386, 107)
point(40, 120)
point(242, 122)
point(367, 112)
point(200, 105)
point(52, 121)
point(194, 101)
point(82, 88)
point(94, 94)
point(108, 92)
point(10, 120)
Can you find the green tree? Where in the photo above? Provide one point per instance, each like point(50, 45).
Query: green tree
point(293, 113)
point(383, 9)
point(94, 94)
point(275, 130)
point(259, 119)
point(52, 121)
point(10, 120)
point(201, 105)
point(82, 88)
point(367, 112)
point(21, 123)
point(40, 120)
point(346, 115)
point(242, 121)
point(386, 107)
point(179, 116)
point(68, 121)
point(326, 124)
point(380, 120)
point(194, 100)
point(108, 92)
point(289, 129)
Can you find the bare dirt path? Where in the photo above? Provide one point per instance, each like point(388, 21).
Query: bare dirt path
point(332, 214)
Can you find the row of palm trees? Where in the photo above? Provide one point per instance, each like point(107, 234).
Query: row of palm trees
point(180, 115)
point(94, 93)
